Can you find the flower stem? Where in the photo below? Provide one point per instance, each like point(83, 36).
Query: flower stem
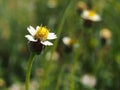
point(99, 62)
point(72, 87)
point(60, 77)
point(29, 70)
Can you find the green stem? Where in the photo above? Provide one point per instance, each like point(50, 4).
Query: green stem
point(99, 62)
point(59, 77)
point(29, 70)
point(75, 61)
point(72, 87)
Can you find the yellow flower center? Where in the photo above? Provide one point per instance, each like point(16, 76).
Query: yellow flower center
point(91, 13)
point(42, 33)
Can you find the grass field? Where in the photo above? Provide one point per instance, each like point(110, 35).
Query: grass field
point(84, 56)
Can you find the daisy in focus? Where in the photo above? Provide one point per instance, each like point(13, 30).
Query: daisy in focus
point(40, 34)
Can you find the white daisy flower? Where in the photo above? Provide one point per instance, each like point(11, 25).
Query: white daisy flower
point(40, 34)
point(88, 80)
point(68, 41)
point(90, 15)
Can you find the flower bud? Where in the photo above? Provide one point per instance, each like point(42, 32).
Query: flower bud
point(35, 47)
point(105, 35)
point(80, 6)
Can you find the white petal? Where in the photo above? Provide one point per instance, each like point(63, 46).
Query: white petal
point(85, 14)
point(51, 36)
point(31, 30)
point(37, 27)
point(46, 43)
point(96, 18)
point(30, 38)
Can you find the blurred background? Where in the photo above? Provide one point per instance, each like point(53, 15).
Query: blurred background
point(87, 53)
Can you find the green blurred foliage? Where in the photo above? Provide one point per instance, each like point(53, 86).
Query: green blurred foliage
point(102, 61)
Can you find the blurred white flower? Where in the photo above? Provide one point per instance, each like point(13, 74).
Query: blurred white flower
point(81, 5)
point(88, 80)
point(68, 41)
point(52, 3)
point(55, 56)
point(90, 15)
point(40, 34)
point(15, 87)
point(34, 85)
point(105, 33)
